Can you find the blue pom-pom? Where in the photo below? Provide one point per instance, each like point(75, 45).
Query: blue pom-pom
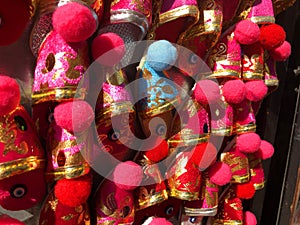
point(161, 55)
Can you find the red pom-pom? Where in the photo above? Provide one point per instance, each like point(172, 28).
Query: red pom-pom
point(220, 173)
point(9, 95)
point(246, 32)
point(245, 190)
point(204, 155)
point(75, 116)
point(207, 92)
point(234, 91)
point(282, 52)
point(73, 192)
point(248, 143)
point(249, 218)
point(111, 46)
point(74, 22)
point(157, 221)
point(159, 152)
point(15, 15)
point(256, 90)
point(272, 36)
point(265, 151)
point(128, 175)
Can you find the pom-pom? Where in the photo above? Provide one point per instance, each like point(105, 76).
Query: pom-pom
point(75, 116)
point(249, 218)
point(256, 90)
point(207, 92)
point(282, 52)
point(234, 91)
point(245, 190)
point(265, 151)
point(248, 143)
point(15, 16)
point(220, 173)
point(246, 32)
point(161, 55)
point(272, 36)
point(9, 95)
point(128, 175)
point(159, 152)
point(73, 192)
point(74, 22)
point(204, 155)
point(157, 221)
point(111, 44)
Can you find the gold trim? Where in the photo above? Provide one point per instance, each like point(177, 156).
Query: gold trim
point(153, 200)
point(272, 82)
point(222, 131)
point(201, 211)
point(183, 11)
point(64, 93)
point(225, 73)
point(240, 129)
point(20, 166)
point(184, 195)
point(227, 222)
point(252, 76)
point(259, 186)
point(158, 110)
point(240, 179)
point(69, 172)
point(115, 109)
point(189, 140)
point(263, 19)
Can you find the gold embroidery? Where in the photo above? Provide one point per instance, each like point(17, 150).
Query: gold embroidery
point(139, 5)
point(53, 204)
point(237, 163)
point(281, 5)
point(183, 11)
point(114, 2)
point(209, 191)
point(156, 8)
point(68, 217)
point(8, 134)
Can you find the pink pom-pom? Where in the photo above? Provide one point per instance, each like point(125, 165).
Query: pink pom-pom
point(75, 116)
point(74, 22)
point(256, 90)
point(9, 94)
point(157, 221)
point(234, 91)
point(265, 151)
point(207, 92)
point(111, 44)
point(281, 53)
point(128, 175)
point(249, 218)
point(220, 173)
point(246, 32)
point(248, 143)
